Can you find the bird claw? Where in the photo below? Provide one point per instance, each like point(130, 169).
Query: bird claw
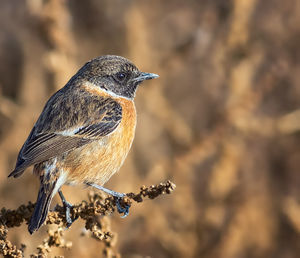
point(118, 197)
point(124, 210)
point(69, 220)
point(68, 206)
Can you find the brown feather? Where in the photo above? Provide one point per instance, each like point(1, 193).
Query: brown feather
point(47, 139)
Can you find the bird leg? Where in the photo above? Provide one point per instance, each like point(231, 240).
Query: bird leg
point(118, 197)
point(68, 207)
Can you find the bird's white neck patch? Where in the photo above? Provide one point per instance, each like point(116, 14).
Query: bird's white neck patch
point(92, 86)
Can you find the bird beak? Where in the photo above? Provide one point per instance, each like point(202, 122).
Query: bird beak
point(145, 76)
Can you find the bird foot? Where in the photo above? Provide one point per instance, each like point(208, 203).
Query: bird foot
point(118, 198)
point(69, 221)
point(68, 206)
point(124, 210)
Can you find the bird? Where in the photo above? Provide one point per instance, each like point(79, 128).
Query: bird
point(83, 134)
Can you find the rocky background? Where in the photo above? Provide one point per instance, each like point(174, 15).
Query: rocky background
point(222, 121)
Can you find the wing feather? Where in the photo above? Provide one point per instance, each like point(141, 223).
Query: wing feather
point(102, 118)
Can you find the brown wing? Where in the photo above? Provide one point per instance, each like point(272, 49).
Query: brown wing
point(66, 123)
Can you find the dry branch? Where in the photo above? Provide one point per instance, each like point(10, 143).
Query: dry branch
point(89, 211)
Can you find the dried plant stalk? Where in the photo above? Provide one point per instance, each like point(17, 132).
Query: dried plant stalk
point(88, 211)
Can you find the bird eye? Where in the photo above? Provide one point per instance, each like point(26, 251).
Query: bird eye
point(121, 76)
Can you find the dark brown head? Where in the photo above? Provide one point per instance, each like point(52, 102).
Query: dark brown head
point(114, 74)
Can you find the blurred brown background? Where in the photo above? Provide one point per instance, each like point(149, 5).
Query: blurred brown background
point(222, 121)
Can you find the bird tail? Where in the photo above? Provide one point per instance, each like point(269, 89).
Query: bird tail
point(41, 208)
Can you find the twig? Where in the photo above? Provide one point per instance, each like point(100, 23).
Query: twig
point(89, 211)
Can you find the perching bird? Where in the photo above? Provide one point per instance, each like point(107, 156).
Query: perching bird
point(84, 133)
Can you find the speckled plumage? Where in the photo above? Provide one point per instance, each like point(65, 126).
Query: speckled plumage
point(85, 131)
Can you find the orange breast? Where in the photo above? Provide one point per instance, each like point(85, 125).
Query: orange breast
point(97, 161)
